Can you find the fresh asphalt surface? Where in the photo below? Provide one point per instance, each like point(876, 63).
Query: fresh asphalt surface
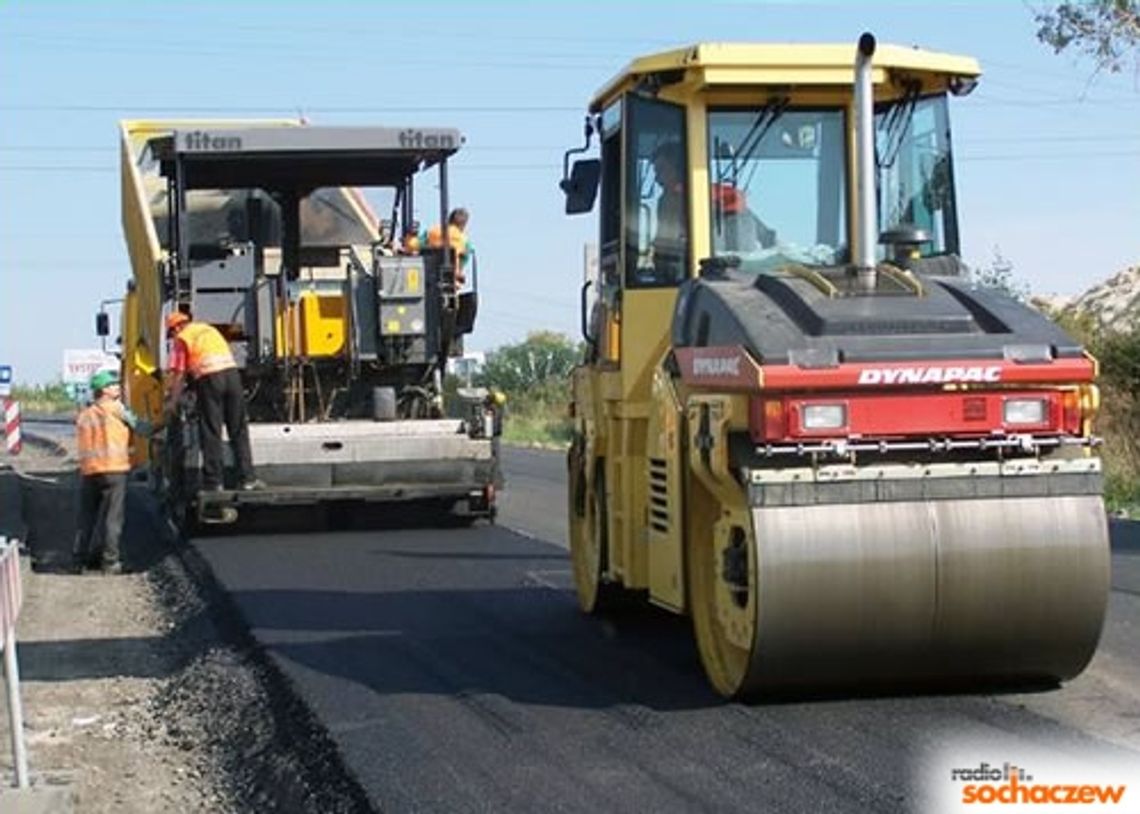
point(455, 673)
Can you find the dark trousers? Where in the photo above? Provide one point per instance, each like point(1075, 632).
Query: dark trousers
point(102, 500)
point(221, 401)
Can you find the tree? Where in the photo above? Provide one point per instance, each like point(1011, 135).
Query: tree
point(999, 275)
point(544, 358)
point(1119, 356)
point(1108, 31)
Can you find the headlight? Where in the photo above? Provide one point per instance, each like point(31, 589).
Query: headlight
point(825, 416)
point(1024, 411)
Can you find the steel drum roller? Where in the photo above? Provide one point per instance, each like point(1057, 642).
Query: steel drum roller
point(1001, 588)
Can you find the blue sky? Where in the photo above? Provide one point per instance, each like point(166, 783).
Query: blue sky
point(1048, 162)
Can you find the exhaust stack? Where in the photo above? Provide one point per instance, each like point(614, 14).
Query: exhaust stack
point(866, 214)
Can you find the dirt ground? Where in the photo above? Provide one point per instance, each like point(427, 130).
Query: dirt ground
point(142, 692)
point(97, 656)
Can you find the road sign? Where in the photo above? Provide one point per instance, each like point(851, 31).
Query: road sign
point(79, 365)
point(5, 381)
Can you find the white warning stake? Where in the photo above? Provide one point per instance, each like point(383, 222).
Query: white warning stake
point(11, 598)
point(12, 427)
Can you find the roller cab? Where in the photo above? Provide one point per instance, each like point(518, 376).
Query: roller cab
point(798, 422)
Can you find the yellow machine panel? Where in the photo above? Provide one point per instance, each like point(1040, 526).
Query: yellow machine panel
point(323, 324)
point(317, 322)
point(316, 326)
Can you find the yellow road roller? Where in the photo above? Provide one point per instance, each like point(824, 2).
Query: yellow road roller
point(798, 421)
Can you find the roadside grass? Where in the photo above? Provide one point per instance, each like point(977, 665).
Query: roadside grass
point(537, 423)
point(1118, 419)
point(1122, 496)
point(537, 416)
point(43, 398)
point(1119, 425)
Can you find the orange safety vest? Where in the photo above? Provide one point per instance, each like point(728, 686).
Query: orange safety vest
point(455, 235)
point(103, 439)
point(207, 350)
point(458, 240)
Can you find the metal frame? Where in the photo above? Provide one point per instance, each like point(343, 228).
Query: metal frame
point(840, 448)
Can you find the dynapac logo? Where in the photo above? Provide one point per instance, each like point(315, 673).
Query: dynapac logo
point(716, 366)
point(929, 375)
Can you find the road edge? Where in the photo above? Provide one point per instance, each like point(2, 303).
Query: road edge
point(300, 769)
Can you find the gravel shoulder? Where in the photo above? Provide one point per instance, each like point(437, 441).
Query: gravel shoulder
point(97, 654)
point(142, 692)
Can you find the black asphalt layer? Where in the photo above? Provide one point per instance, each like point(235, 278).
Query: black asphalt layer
point(455, 672)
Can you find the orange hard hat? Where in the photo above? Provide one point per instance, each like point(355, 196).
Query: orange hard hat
point(730, 198)
point(175, 319)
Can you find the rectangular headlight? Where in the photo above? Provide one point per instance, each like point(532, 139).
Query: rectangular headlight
point(825, 416)
point(1024, 411)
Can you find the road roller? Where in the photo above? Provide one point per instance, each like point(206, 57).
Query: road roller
point(798, 422)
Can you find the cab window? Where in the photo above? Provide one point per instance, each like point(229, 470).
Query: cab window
point(656, 230)
point(777, 185)
point(916, 182)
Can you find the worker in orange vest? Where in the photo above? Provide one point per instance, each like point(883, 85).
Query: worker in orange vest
point(103, 432)
point(457, 240)
point(200, 351)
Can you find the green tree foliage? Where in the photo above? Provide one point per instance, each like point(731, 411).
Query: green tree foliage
point(542, 359)
point(535, 375)
point(999, 275)
point(1118, 421)
point(1120, 362)
point(1107, 31)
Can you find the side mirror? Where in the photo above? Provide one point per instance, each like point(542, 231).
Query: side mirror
point(581, 187)
point(102, 324)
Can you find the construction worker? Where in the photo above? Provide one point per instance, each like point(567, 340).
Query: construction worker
point(457, 239)
point(671, 239)
point(411, 243)
point(201, 351)
point(103, 431)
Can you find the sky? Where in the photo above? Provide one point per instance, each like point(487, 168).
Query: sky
point(1047, 164)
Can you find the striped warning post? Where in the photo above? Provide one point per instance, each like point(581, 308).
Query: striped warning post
point(12, 426)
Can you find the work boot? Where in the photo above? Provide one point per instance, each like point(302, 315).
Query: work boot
point(253, 485)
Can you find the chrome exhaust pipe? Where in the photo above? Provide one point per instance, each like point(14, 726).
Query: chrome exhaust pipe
point(866, 215)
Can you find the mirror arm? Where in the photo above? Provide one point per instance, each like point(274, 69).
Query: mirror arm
point(588, 131)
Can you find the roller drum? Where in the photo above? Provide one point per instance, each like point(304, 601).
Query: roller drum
point(939, 589)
